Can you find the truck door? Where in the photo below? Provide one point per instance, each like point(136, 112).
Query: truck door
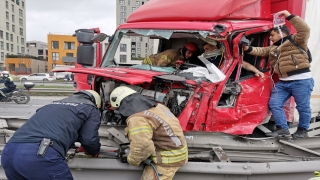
point(244, 103)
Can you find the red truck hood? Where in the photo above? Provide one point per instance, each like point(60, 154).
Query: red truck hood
point(128, 75)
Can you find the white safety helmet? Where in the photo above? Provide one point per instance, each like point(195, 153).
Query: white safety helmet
point(118, 94)
point(5, 73)
point(94, 97)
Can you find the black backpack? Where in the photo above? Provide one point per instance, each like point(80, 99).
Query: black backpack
point(301, 49)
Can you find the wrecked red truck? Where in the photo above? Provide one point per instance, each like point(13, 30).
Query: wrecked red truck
point(224, 122)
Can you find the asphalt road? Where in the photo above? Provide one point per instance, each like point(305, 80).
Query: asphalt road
point(26, 110)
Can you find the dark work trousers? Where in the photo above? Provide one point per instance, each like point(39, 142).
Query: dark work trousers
point(20, 162)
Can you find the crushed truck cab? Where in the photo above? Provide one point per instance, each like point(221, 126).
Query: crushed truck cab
point(224, 121)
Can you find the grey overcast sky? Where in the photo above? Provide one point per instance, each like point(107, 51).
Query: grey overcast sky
point(66, 16)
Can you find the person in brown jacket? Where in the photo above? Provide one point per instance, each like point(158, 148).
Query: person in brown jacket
point(154, 133)
point(171, 56)
point(292, 67)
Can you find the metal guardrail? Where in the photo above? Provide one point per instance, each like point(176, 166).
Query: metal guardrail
point(53, 90)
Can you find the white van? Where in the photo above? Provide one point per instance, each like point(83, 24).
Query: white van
point(61, 75)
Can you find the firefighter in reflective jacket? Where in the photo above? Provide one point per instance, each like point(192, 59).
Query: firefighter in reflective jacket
point(8, 82)
point(153, 131)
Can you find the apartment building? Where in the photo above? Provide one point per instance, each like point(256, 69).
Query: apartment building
point(62, 50)
point(12, 28)
point(132, 49)
point(38, 49)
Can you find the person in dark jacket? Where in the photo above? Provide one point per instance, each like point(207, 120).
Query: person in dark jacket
point(8, 82)
point(75, 118)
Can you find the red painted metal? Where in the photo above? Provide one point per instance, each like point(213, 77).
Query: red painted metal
point(188, 10)
point(130, 76)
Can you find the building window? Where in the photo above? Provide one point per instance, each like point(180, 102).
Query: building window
point(18, 49)
point(12, 18)
point(69, 45)
point(141, 39)
point(138, 55)
point(20, 13)
point(7, 5)
point(123, 14)
point(7, 45)
point(138, 45)
point(7, 15)
point(2, 56)
point(21, 31)
point(122, 20)
point(7, 25)
point(55, 44)
point(22, 4)
point(69, 54)
point(123, 8)
point(121, 2)
point(22, 49)
point(1, 45)
point(11, 47)
point(12, 8)
point(40, 52)
point(128, 2)
point(22, 40)
point(138, 50)
point(133, 38)
point(142, 3)
point(138, 3)
point(20, 22)
point(133, 51)
point(7, 36)
point(13, 28)
point(11, 37)
point(17, 39)
point(133, 9)
point(18, 2)
point(55, 56)
point(123, 47)
point(123, 58)
point(1, 34)
point(146, 50)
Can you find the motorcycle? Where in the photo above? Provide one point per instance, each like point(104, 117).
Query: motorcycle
point(19, 96)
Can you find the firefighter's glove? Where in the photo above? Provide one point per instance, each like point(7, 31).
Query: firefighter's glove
point(132, 162)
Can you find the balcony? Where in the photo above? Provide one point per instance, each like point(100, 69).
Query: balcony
point(68, 59)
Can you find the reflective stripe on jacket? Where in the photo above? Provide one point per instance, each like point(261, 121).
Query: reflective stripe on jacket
point(156, 133)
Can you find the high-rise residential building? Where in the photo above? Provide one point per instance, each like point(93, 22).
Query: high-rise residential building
point(12, 29)
point(38, 49)
point(62, 50)
point(134, 48)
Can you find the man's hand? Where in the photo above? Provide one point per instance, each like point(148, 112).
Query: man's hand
point(285, 13)
point(259, 73)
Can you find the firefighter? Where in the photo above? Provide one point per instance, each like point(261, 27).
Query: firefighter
point(8, 82)
point(171, 56)
point(154, 133)
point(38, 149)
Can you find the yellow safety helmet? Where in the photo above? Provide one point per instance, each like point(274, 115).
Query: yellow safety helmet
point(94, 97)
point(118, 94)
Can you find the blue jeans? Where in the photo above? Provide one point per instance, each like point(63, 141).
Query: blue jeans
point(301, 91)
point(20, 162)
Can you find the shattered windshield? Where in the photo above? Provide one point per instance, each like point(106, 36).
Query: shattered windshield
point(131, 47)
